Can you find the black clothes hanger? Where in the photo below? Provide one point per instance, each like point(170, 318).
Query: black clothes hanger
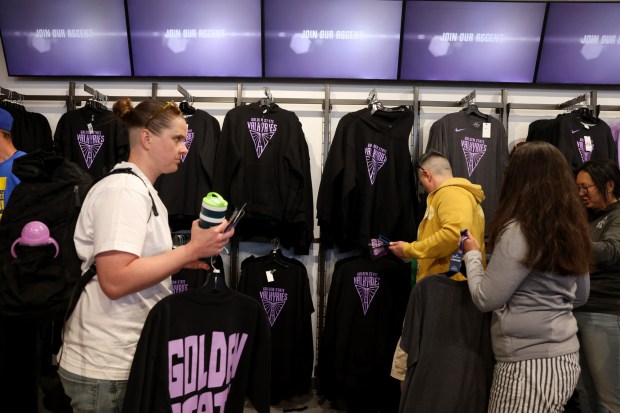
point(95, 105)
point(276, 256)
point(376, 106)
point(585, 114)
point(98, 102)
point(14, 102)
point(215, 282)
point(266, 102)
point(187, 108)
point(472, 109)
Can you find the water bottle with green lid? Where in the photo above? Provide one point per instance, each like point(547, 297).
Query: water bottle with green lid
point(213, 210)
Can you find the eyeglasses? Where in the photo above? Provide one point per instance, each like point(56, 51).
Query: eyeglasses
point(584, 189)
point(421, 169)
point(161, 110)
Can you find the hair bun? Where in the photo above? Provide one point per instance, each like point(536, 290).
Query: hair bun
point(122, 107)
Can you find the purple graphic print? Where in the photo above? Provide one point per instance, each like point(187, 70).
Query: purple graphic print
point(376, 157)
point(200, 369)
point(585, 154)
point(179, 286)
point(473, 150)
point(90, 143)
point(367, 285)
point(262, 130)
point(188, 142)
point(378, 248)
point(2, 193)
point(273, 300)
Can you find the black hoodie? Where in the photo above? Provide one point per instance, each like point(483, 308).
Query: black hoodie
point(367, 188)
point(263, 160)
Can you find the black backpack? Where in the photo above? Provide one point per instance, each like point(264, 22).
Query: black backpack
point(36, 285)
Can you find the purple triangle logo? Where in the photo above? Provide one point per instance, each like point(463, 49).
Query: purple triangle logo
point(376, 157)
point(473, 150)
point(585, 155)
point(273, 300)
point(367, 285)
point(262, 130)
point(90, 143)
point(188, 143)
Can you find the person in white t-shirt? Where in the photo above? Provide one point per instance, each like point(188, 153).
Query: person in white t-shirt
point(123, 229)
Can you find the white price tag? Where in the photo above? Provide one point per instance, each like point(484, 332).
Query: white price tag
point(90, 127)
point(588, 142)
point(269, 275)
point(486, 130)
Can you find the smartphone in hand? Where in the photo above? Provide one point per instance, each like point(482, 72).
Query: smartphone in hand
point(235, 217)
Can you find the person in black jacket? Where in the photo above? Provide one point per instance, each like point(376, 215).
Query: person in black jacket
point(598, 183)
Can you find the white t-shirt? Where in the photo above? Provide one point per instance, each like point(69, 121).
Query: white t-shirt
point(101, 334)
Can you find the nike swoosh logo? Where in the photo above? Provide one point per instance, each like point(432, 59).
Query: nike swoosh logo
point(574, 131)
point(459, 130)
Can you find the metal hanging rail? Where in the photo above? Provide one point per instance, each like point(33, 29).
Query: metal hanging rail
point(467, 99)
point(364, 102)
point(309, 101)
point(551, 106)
point(11, 94)
point(154, 89)
point(573, 102)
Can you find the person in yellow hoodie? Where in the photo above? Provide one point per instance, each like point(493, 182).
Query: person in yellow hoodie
point(453, 204)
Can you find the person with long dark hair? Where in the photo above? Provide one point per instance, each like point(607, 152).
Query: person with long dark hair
point(537, 274)
point(598, 184)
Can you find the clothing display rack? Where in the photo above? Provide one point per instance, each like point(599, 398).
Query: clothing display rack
point(324, 104)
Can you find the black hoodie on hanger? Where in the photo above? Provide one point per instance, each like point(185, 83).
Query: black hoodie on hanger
point(263, 160)
point(367, 188)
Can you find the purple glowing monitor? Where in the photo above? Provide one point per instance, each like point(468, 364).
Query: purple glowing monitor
point(581, 44)
point(338, 39)
point(471, 41)
point(65, 38)
point(209, 38)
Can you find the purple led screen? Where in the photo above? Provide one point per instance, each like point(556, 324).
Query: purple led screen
point(471, 41)
point(211, 38)
point(340, 39)
point(65, 37)
point(581, 44)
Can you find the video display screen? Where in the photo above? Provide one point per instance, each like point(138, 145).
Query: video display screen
point(210, 38)
point(471, 41)
point(340, 39)
point(581, 44)
point(65, 37)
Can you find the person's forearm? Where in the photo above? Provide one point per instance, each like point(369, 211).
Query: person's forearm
point(440, 244)
point(119, 276)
